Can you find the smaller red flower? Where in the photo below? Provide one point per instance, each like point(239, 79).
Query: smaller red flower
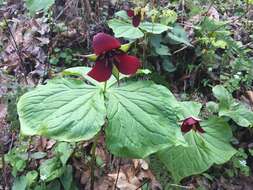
point(107, 49)
point(136, 18)
point(191, 123)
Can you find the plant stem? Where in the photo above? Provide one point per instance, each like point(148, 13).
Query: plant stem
point(105, 85)
point(93, 161)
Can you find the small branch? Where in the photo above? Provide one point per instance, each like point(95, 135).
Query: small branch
point(146, 181)
point(184, 47)
point(115, 185)
point(181, 186)
point(15, 46)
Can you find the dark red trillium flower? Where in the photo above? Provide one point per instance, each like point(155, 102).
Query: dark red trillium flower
point(107, 49)
point(136, 18)
point(191, 123)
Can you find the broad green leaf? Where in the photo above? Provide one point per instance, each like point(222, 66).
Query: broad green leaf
point(140, 119)
point(20, 183)
point(238, 113)
point(154, 28)
point(64, 150)
point(51, 169)
point(204, 150)
point(37, 5)
point(124, 29)
point(229, 107)
point(178, 35)
point(64, 109)
point(188, 108)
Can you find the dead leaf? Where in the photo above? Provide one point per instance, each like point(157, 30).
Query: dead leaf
point(249, 94)
point(213, 13)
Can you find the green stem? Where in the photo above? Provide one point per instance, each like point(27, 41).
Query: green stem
point(93, 161)
point(105, 85)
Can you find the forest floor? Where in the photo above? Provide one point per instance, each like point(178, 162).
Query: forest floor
point(34, 49)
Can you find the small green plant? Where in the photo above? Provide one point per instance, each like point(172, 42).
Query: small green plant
point(53, 172)
point(64, 58)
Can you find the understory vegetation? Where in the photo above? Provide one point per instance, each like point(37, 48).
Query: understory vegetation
point(126, 95)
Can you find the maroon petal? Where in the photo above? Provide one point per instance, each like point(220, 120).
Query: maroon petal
point(127, 64)
point(130, 13)
point(136, 20)
point(191, 121)
point(104, 42)
point(199, 129)
point(101, 72)
point(185, 128)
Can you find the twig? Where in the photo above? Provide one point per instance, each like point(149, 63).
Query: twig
point(209, 8)
point(93, 161)
point(146, 181)
point(15, 46)
point(63, 10)
point(181, 186)
point(115, 185)
point(184, 47)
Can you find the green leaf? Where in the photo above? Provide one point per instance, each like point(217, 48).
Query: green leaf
point(140, 120)
point(167, 64)
point(65, 150)
point(154, 28)
point(212, 107)
point(188, 108)
point(81, 72)
point(178, 35)
point(64, 109)
point(122, 14)
point(38, 155)
point(20, 183)
point(224, 97)
point(67, 179)
point(124, 29)
point(31, 177)
point(204, 150)
point(229, 107)
point(51, 169)
point(37, 5)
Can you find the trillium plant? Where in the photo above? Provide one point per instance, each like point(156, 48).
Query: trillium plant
point(137, 117)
